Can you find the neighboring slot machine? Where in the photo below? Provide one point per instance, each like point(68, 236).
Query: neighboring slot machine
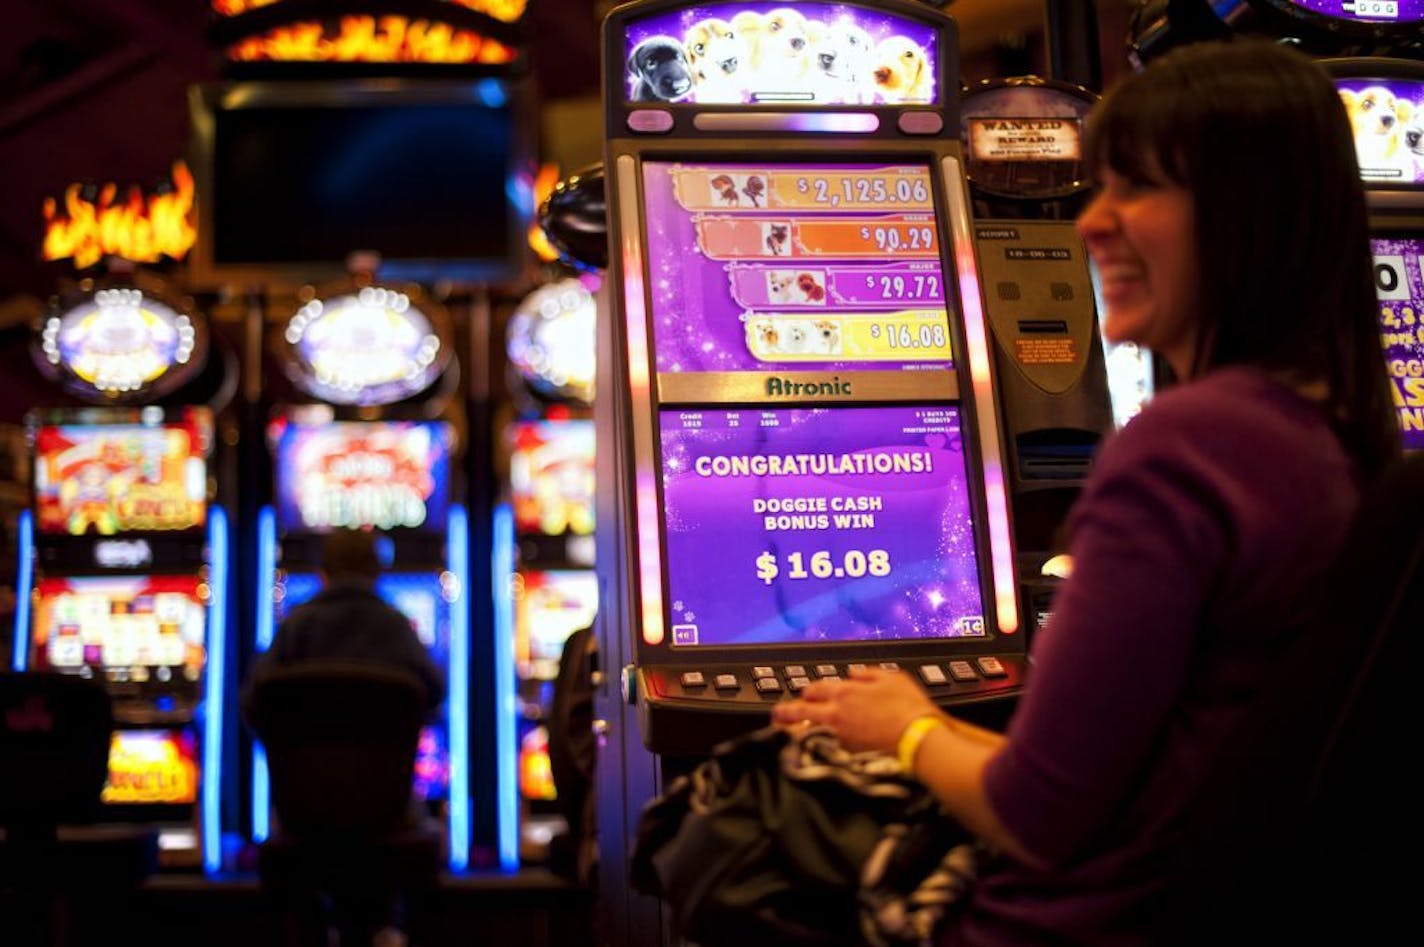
point(811, 475)
point(1060, 389)
point(550, 451)
point(124, 559)
point(1385, 101)
point(374, 455)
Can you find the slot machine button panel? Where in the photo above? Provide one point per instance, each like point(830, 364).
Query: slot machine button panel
point(798, 683)
point(760, 672)
point(693, 679)
point(890, 665)
point(932, 674)
point(963, 672)
point(852, 668)
point(726, 682)
point(827, 670)
point(795, 670)
point(768, 685)
point(990, 666)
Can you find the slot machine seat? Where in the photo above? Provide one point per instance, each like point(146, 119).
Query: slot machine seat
point(341, 746)
point(55, 731)
point(1299, 829)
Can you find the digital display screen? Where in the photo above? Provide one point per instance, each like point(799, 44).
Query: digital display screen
point(551, 476)
point(823, 525)
point(548, 607)
point(421, 598)
point(409, 179)
point(1387, 118)
point(1365, 11)
point(802, 53)
point(353, 475)
point(1399, 283)
point(143, 630)
point(152, 767)
point(117, 478)
point(807, 266)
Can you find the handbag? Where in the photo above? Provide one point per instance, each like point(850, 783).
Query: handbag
point(787, 837)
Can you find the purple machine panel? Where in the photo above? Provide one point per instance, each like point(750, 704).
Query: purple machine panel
point(808, 266)
point(1387, 117)
point(793, 53)
point(1366, 11)
point(1399, 282)
point(822, 525)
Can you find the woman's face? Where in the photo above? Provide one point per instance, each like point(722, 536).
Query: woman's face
point(1141, 238)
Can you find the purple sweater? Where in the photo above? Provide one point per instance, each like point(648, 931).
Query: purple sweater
point(1206, 525)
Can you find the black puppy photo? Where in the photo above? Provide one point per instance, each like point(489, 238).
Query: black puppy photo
point(658, 65)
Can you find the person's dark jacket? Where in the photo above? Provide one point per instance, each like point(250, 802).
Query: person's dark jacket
point(348, 621)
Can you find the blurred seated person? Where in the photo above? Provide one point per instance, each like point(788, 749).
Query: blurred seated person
point(348, 621)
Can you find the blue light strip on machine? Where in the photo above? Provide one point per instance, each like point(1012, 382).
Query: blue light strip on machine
point(213, 696)
point(24, 552)
point(458, 702)
point(502, 569)
point(266, 619)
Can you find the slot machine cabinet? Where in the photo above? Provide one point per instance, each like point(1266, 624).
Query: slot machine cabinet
point(1060, 390)
point(364, 441)
point(1391, 157)
point(549, 448)
point(124, 553)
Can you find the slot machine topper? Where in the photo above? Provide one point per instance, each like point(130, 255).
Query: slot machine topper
point(811, 473)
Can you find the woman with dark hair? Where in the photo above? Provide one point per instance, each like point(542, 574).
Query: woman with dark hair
point(1229, 235)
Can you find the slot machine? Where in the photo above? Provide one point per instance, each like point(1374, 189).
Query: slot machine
point(549, 446)
point(1022, 140)
point(370, 449)
point(807, 471)
point(1385, 101)
point(124, 554)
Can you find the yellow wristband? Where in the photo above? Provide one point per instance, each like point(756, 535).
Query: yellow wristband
point(910, 740)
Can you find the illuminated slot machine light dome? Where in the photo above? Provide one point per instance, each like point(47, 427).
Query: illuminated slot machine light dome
point(551, 340)
point(119, 342)
point(368, 348)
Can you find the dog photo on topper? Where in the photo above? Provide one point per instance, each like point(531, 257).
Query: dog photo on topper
point(1379, 119)
point(901, 71)
point(718, 57)
point(659, 71)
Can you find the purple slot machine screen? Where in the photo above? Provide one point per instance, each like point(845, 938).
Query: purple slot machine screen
point(766, 267)
point(795, 53)
point(1387, 119)
point(1365, 11)
point(815, 525)
point(1399, 283)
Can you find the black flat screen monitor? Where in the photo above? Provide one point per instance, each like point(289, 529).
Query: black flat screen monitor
point(293, 181)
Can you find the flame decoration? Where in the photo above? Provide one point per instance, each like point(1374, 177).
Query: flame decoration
point(138, 229)
point(386, 39)
point(506, 11)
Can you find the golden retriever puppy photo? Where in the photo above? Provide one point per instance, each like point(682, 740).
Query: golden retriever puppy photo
point(901, 71)
point(718, 58)
point(782, 56)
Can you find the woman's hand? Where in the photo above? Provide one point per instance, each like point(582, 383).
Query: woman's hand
point(868, 711)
